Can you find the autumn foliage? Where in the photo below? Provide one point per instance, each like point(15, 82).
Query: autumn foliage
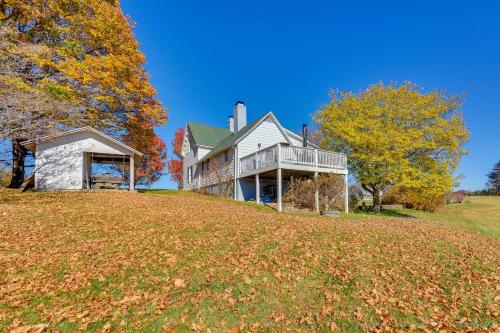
point(86, 54)
point(142, 137)
point(412, 199)
point(175, 165)
point(72, 63)
point(397, 135)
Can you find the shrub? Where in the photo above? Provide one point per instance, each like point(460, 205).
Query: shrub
point(354, 202)
point(300, 192)
point(455, 197)
point(392, 196)
point(355, 197)
point(4, 178)
point(413, 198)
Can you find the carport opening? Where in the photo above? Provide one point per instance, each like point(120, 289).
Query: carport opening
point(106, 171)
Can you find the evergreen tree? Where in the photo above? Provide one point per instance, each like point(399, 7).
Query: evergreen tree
point(494, 178)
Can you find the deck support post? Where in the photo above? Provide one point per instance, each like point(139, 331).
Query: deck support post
point(236, 189)
point(346, 194)
point(236, 172)
point(257, 188)
point(86, 161)
point(279, 199)
point(132, 175)
point(316, 195)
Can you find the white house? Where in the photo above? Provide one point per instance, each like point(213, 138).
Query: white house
point(257, 157)
point(64, 161)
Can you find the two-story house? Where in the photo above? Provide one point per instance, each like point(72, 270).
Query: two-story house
point(252, 161)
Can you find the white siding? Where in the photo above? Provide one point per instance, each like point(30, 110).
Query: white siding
point(295, 141)
point(190, 159)
point(59, 162)
point(266, 133)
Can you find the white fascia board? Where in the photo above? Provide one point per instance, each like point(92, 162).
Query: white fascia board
point(271, 115)
point(30, 143)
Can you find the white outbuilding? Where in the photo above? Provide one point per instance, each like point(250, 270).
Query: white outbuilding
point(64, 161)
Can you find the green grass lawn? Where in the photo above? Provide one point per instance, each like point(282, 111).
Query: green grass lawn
point(176, 261)
point(478, 213)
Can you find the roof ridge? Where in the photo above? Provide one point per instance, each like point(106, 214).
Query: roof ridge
point(81, 129)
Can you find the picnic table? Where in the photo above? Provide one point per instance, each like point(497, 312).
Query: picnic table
point(106, 181)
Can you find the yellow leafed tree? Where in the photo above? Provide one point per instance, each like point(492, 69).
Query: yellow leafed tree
point(396, 135)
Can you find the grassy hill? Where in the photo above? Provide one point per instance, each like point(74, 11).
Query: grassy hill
point(176, 261)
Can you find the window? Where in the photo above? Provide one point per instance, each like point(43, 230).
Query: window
point(190, 174)
point(204, 165)
point(226, 156)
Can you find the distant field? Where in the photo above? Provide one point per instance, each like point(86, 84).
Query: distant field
point(179, 261)
point(479, 214)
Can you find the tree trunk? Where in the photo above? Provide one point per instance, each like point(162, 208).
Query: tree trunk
point(374, 191)
point(18, 157)
point(376, 200)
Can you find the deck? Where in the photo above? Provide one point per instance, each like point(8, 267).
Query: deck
point(284, 156)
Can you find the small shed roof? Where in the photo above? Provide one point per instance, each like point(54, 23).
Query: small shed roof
point(31, 144)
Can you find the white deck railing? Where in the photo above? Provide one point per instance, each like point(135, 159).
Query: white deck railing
point(292, 157)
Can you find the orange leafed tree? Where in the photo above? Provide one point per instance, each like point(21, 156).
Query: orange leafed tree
point(175, 165)
point(74, 55)
point(142, 137)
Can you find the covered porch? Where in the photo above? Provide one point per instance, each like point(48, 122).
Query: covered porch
point(120, 171)
point(270, 169)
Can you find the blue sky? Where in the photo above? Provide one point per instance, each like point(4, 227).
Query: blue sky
point(284, 56)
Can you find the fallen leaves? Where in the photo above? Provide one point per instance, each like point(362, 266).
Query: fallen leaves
point(123, 261)
point(30, 329)
point(179, 283)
